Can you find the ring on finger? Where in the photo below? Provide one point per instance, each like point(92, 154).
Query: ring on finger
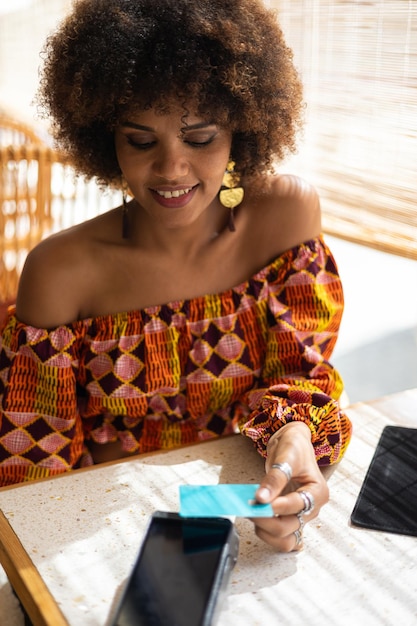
point(309, 502)
point(300, 517)
point(285, 468)
point(298, 537)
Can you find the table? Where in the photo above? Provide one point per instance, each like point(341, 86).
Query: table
point(82, 532)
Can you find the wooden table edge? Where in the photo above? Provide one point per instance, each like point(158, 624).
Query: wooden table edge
point(26, 580)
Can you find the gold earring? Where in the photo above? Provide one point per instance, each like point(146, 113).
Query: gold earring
point(230, 194)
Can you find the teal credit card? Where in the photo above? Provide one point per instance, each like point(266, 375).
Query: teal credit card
point(221, 500)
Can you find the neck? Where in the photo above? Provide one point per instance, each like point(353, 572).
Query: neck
point(188, 240)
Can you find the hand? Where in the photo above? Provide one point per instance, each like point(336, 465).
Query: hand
point(291, 445)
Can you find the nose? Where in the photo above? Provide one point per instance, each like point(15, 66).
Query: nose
point(170, 162)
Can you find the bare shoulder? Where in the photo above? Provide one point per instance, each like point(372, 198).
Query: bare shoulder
point(297, 197)
point(45, 296)
point(289, 213)
point(57, 274)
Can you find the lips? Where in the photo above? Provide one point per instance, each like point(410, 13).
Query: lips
point(174, 198)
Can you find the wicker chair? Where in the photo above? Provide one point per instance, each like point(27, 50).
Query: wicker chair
point(19, 199)
point(15, 133)
point(25, 207)
point(39, 194)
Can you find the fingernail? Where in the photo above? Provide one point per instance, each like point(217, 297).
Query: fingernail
point(263, 493)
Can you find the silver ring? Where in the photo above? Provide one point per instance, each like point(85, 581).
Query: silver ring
point(309, 502)
point(300, 517)
point(298, 537)
point(285, 468)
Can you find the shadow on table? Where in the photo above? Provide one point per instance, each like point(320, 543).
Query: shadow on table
point(381, 367)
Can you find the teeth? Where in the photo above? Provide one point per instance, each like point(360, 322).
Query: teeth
point(174, 194)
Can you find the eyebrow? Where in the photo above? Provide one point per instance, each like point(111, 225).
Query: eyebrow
point(150, 129)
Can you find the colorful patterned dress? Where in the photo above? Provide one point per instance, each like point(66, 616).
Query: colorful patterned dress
point(249, 359)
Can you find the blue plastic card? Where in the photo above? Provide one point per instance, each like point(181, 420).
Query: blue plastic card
point(221, 500)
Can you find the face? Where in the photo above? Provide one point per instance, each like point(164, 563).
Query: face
point(174, 168)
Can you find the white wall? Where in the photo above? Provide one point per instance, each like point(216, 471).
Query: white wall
point(24, 26)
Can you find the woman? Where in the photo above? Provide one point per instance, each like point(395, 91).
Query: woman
point(209, 302)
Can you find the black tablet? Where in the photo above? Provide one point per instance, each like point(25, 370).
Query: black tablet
point(387, 500)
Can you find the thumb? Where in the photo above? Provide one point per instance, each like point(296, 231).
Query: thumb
point(271, 486)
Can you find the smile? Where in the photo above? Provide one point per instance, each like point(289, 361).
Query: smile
point(174, 198)
point(174, 194)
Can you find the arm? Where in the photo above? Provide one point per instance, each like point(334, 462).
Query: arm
point(295, 416)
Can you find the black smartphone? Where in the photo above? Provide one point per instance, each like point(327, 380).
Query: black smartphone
point(181, 572)
point(388, 497)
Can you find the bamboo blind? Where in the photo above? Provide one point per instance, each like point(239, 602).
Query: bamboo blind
point(358, 63)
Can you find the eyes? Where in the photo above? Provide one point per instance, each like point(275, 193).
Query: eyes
point(142, 141)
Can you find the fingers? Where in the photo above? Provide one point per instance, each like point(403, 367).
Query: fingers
point(285, 468)
point(282, 533)
point(307, 500)
point(293, 485)
point(292, 509)
point(274, 482)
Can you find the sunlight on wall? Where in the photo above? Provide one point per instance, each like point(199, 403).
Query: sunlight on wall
point(24, 26)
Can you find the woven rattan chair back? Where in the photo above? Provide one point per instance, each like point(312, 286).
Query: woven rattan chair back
point(39, 194)
point(25, 207)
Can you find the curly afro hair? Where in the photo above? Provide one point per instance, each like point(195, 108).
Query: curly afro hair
point(226, 59)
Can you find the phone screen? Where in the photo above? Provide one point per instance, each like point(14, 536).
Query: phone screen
point(173, 577)
point(388, 498)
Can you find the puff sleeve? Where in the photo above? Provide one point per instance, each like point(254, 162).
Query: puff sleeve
point(40, 427)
